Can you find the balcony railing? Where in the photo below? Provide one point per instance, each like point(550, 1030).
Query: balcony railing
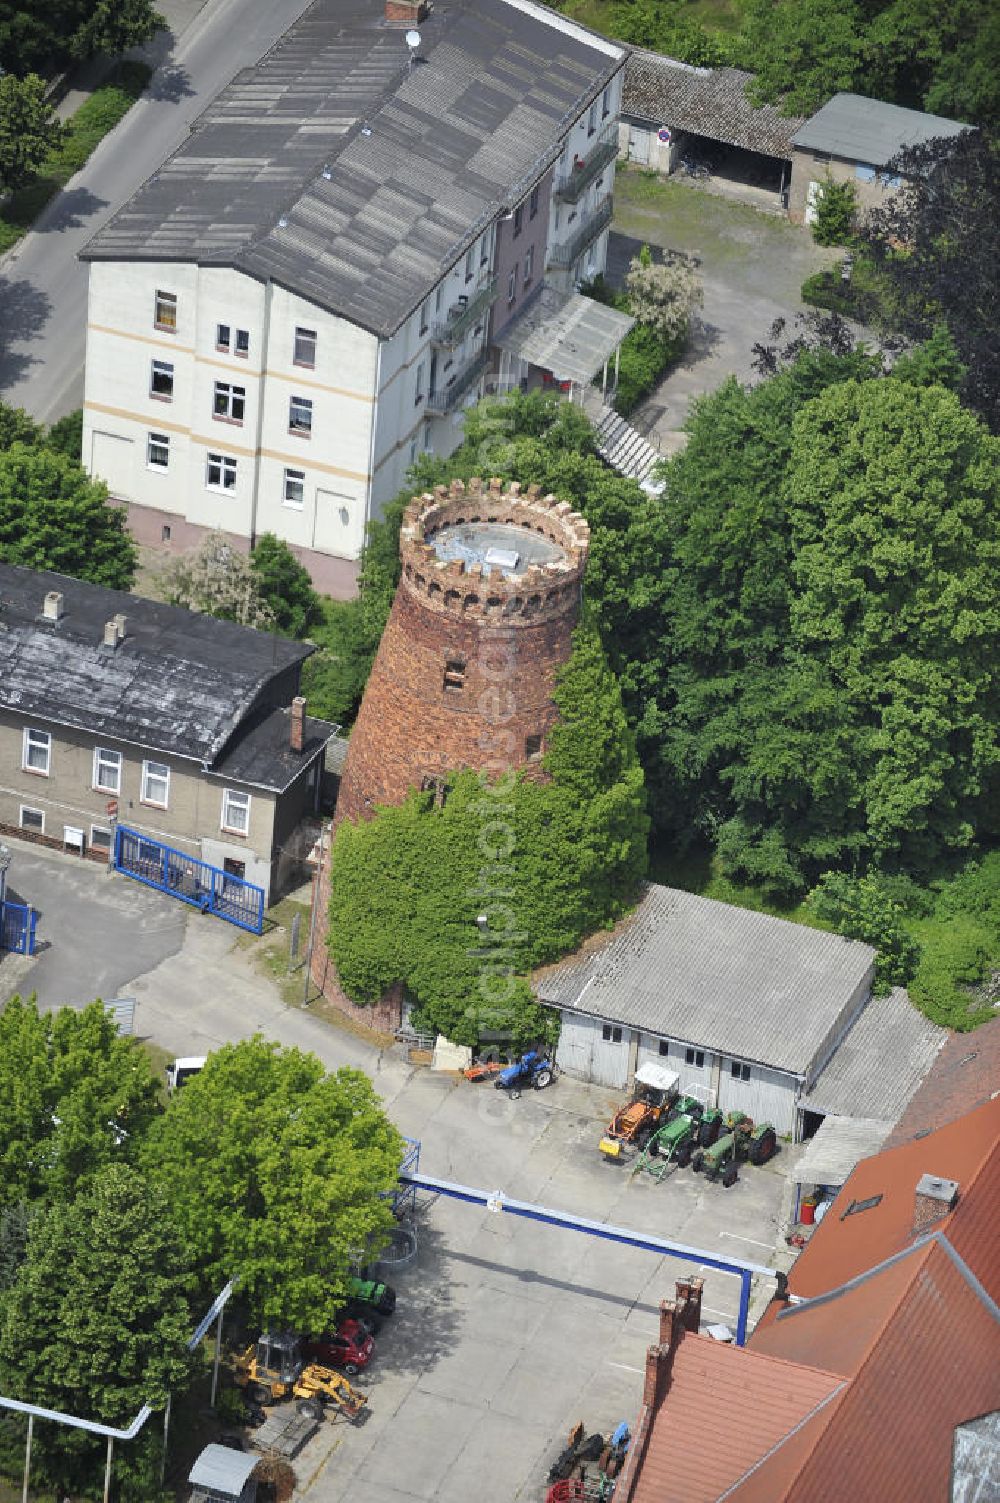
point(572, 185)
point(445, 398)
point(462, 317)
point(567, 253)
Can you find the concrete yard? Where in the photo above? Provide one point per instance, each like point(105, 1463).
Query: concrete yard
point(507, 1332)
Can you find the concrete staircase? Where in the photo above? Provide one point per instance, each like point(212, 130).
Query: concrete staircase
point(621, 446)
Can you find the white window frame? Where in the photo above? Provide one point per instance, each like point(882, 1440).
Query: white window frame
point(418, 390)
point(165, 369)
point(303, 405)
point(241, 344)
point(33, 737)
point(229, 397)
point(512, 286)
point(159, 441)
point(160, 776)
point(104, 758)
point(229, 796)
point(470, 262)
point(533, 198)
point(294, 478)
point(302, 340)
point(223, 337)
point(29, 809)
point(226, 466)
point(529, 265)
point(164, 302)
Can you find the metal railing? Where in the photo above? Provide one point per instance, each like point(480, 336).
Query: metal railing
point(571, 186)
point(449, 331)
point(445, 397)
point(566, 254)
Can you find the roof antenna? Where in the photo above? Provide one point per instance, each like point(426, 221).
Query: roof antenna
point(413, 42)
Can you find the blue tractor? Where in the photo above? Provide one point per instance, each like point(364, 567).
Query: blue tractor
point(532, 1069)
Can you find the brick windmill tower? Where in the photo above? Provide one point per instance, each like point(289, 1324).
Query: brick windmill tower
point(465, 672)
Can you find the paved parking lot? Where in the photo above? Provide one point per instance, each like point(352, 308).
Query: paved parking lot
point(507, 1331)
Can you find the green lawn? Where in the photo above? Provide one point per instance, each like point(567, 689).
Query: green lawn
point(93, 120)
point(715, 15)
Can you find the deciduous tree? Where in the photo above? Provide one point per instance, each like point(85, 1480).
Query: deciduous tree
point(664, 294)
point(285, 587)
point(28, 131)
point(275, 1172)
point(218, 579)
point(801, 51)
point(53, 516)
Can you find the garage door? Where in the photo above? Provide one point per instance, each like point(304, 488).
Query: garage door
point(112, 459)
point(576, 1038)
point(638, 144)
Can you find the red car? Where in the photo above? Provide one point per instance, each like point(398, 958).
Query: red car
point(349, 1348)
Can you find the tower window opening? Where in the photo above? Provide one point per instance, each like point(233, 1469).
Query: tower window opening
point(454, 673)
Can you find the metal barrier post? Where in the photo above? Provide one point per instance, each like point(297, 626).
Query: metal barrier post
point(107, 1471)
point(27, 1458)
point(215, 1364)
point(741, 1322)
point(166, 1427)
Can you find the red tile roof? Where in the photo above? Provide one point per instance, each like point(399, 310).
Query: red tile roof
point(965, 1074)
point(932, 1362)
point(847, 1245)
point(701, 1444)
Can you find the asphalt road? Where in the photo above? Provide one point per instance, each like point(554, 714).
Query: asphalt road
point(43, 287)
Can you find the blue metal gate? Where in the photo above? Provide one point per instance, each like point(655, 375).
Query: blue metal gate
point(196, 882)
point(17, 927)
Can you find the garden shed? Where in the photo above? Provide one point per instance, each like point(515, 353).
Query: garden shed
point(222, 1475)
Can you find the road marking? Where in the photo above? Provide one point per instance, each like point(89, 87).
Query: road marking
point(625, 1367)
point(726, 1314)
point(755, 1240)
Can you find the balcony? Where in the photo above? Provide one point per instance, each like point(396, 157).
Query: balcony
point(567, 253)
point(572, 185)
point(464, 315)
point(446, 398)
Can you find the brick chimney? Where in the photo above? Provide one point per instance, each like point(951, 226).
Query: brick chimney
point(934, 1199)
point(406, 12)
point(683, 1313)
point(297, 725)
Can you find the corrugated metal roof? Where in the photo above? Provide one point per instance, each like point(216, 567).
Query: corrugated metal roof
point(179, 682)
point(565, 333)
point(838, 1145)
point(708, 102)
point(881, 1062)
point(728, 979)
point(965, 1074)
point(222, 1468)
point(342, 173)
point(868, 130)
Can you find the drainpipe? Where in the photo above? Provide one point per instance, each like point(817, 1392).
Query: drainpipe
point(370, 498)
point(261, 389)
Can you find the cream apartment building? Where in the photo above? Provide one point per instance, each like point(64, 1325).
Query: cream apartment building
point(310, 291)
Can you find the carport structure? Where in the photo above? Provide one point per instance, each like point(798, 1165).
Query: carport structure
point(671, 110)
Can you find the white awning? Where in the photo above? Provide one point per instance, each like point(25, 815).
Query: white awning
point(839, 1144)
point(566, 333)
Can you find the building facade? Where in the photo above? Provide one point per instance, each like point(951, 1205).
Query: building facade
point(307, 295)
point(116, 710)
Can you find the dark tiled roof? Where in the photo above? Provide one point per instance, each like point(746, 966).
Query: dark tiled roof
point(339, 172)
point(869, 130)
point(262, 756)
point(708, 102)
point(179, 682)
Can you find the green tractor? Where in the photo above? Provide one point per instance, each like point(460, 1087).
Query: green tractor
point(741, 1140)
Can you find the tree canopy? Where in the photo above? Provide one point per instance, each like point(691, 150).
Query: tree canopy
point(74, 1098)
point(52, 516)
point(28, 131)
point(44, 38)
point(936, 243)
point(274, 1171)
point(285, 587)
point(96, 1320)
point(545, 862)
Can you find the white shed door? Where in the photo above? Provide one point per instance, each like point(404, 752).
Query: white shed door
point(638, 144)
point(112, 459)
point(812, 201)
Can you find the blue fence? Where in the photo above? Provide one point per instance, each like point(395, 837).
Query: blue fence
point(196, 882)
point(17, 927)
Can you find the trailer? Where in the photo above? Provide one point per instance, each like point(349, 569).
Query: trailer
point(285, 1432)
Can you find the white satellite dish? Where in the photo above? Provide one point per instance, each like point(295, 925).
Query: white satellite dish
point(413, 40)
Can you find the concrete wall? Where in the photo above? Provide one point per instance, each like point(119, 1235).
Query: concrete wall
point(809, 167)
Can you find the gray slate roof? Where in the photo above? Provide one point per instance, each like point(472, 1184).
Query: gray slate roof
point(869, 131)
point(179, 682)
point(381, 174)
point(262, 755)
point(722, 978)
point(880, 1064)
point(708, 102)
